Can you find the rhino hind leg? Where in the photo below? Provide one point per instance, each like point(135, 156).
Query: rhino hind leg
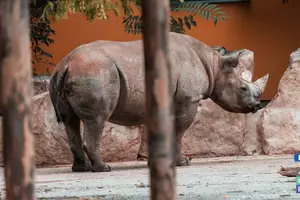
point(91, 142)
point(80, 160)
point(72, 126)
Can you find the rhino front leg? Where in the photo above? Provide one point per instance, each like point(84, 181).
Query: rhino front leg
point(181, 160)
point(185, 114)
point(91, 142)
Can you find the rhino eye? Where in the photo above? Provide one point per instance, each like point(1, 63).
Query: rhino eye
point(243, 88)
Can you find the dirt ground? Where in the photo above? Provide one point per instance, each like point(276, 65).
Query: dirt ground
point(226, 178)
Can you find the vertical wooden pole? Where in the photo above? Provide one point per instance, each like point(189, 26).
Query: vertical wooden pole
point(159, 104)
point(16, 94)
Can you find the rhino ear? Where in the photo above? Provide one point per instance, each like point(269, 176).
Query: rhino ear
point(230, 61)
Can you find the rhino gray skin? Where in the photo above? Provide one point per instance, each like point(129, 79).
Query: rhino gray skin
point(104, 81)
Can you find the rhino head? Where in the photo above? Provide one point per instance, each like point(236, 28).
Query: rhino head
point(236, 92)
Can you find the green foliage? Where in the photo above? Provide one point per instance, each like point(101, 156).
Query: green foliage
point(40, 32)
point(92, 9)
point(41, 10)
point(133, 23)
point(206, 10)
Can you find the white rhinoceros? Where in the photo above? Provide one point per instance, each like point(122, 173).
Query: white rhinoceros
point(104, 81)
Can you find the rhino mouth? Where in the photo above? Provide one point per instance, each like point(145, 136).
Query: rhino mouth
point(255, 110)
point(246, 109)
point(257, 106)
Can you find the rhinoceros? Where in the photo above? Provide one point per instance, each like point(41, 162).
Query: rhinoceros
point(104, 81)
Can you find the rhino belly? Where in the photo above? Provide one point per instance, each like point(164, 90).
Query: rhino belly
point(130, 110)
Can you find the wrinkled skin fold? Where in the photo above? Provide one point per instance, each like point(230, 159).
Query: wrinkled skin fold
point(104, 81)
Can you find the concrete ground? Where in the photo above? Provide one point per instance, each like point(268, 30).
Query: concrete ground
point(227, 178)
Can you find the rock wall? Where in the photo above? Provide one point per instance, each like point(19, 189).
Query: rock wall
point(280, 121)
point(274, 129)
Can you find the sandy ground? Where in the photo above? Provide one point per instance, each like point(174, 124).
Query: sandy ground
point(227, 178)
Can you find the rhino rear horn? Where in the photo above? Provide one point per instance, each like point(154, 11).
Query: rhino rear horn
point(261, 83)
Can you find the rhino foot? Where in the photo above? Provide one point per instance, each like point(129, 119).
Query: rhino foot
point(183, 161)
point(81, 168)
point(101, 168)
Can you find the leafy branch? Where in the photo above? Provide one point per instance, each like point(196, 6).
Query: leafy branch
point(206, 10)
point(133, 23)
point(40, 32)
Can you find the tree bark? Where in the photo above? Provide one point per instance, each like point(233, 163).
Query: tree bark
point(159, 104)
point(16, 94)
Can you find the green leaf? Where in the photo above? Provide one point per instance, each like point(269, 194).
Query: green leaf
point(209, 7)
point(187, 24)
point(131, 25)
point(127, 19)
point(216, 9)
point(37, 49)
point(46, 54)
point(209, 16)
point(220, 12)
point(199, 12)
point(204, 13)
point(194, 23)
point(215, 20)
point(50, 40)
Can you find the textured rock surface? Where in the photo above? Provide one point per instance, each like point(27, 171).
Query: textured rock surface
point(216, 132)
point(280, 122)
point(40, 84)
point(51, 142)
point(252, 144)
point(118, 144)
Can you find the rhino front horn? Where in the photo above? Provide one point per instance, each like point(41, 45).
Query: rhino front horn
point(261, 83)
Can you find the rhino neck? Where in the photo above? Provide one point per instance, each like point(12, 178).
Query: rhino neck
point(209, 57)
point(211, 71)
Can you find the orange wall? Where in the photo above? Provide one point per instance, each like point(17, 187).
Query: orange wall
point(266, 27)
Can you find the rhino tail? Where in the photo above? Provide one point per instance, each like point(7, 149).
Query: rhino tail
point(56, 89)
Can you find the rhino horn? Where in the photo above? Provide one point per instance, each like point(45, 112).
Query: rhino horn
point(261, 83)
